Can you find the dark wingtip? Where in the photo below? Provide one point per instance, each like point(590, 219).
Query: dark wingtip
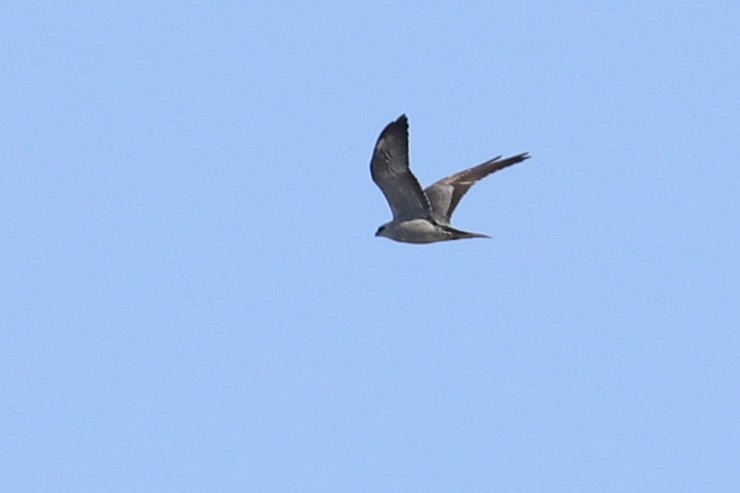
point(399, 126)
point(518, 158)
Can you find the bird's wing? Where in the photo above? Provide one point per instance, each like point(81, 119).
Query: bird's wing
point(390, 171)
point(445, 194)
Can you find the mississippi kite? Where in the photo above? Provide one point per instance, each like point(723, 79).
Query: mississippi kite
point(422, 216)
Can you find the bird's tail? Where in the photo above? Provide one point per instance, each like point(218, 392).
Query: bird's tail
point(456, 234)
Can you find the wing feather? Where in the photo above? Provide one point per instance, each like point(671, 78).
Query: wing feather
point(389, 168)
point(445, 194)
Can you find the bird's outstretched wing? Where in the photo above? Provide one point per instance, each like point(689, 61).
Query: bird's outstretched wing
point(445, 194)
point(390, 171)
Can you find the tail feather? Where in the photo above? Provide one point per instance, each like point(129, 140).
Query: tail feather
point(457, 234)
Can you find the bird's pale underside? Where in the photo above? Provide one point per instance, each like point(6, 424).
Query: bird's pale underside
point(422, 215)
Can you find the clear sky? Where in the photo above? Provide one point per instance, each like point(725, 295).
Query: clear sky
point(192, 298)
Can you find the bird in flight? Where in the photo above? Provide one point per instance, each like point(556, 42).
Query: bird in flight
point(422, 216)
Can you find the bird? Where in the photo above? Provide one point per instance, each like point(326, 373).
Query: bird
point(422, 215)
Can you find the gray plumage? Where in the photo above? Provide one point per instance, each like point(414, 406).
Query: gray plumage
point(422, 216)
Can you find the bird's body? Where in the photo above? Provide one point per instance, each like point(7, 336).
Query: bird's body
point(422, 231)
point(422, 216)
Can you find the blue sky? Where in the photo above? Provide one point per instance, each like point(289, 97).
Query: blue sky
point(193, 299)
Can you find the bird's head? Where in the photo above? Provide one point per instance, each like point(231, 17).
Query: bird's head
point(382, 230)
